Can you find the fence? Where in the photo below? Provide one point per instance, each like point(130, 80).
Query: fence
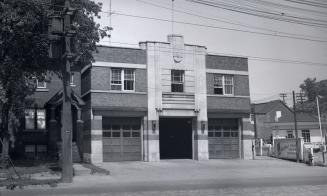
point(285, 148)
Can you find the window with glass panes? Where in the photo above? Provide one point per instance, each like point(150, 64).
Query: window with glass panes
point(122, 79)
point(223, 84)
point(218, 84)
point(41, 84)
point(177, 81)
point(223, 131)
point(228, 80)
point(35, 119)
point(306, 135)
point(121, 130)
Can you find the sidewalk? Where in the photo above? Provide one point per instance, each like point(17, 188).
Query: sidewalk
point(189, 170)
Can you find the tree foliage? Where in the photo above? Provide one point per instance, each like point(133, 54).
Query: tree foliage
point(313, 88)
point(24, 47)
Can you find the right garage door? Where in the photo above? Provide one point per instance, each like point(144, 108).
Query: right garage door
point(223, 136)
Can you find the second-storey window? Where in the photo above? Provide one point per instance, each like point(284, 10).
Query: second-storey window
point(223, 84)
point(41, 84)
point(177, 81)
point(128, 79)
point(122, 79)
point(35, 119)
point(218, 84)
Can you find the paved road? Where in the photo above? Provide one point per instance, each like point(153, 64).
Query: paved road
point(185, 177)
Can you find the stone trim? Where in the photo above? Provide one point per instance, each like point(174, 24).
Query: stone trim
point(229, 96)
point(113, 92)
point(118, 65)
point(223, 71)
point(151, 137)
point(85, 68)
point(200, 137)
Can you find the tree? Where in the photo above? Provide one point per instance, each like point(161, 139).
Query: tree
point(312, 89)
point(24, 50)
point(23, 55)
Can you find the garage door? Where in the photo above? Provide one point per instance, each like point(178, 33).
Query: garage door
point(121, 139)
point(223, 136)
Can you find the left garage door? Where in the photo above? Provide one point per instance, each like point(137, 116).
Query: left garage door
point(121, 139)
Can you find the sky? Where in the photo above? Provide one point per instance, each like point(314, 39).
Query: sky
point(268, 78)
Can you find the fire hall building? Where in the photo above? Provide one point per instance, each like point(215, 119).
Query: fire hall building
point(163, 100)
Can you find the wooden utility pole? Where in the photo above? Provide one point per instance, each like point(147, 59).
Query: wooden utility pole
point(296, 133)
point(283, 95)
point(61, 35)
point(67, 124)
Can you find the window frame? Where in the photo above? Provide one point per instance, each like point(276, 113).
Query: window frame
point(36, 119)
point(223, 85)
point(122, 80)
point(304, 134)
point(38, 86)
point(71, 79)
point(290, 134)
point(173, 82)
point(111, 133)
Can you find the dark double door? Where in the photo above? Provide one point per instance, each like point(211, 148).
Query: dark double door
point(175, 138)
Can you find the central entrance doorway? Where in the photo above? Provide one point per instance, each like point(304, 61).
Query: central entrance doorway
point(175, 138)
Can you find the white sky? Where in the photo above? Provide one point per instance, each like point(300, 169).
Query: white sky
point(267, 79)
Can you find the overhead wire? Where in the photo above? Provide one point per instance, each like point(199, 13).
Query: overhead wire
point(219, 27)
point(191, 13)
point(289, 7)
point(262, 14)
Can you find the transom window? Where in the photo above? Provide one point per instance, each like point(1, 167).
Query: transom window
point(177, 81)
point(306, 135)
point(35, 119)
point(223, 131)
point(121, 130)
point(223, 84)
point(122, 79)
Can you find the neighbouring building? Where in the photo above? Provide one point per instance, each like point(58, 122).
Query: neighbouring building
point(163, 100)
point(275, 119)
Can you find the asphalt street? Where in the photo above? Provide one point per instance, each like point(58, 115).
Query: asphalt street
point(186, 177)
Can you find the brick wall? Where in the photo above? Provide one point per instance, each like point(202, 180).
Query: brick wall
point(226, 63)
point(120, 55)
point(228, 104)
point(119, 100)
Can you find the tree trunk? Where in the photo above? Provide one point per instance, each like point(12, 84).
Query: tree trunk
point(5, 151)
point(5, 136)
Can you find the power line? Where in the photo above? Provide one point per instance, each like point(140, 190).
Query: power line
point(263, 14)
point(310, 3)
point(283, 6)
point(228, 22)
point(218, 27)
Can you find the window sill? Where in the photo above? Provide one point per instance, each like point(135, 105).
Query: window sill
point(42, 90)
point(236, 96)
point(177, 93)
point(35, 130)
